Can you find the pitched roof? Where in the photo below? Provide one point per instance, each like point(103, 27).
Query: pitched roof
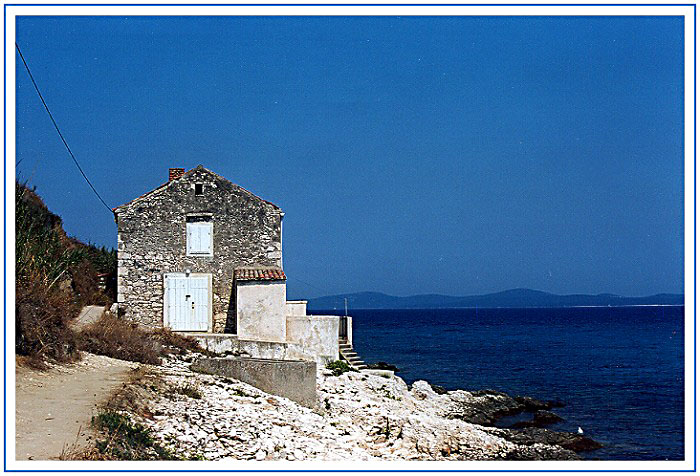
point(163, 186)
point(259, 273)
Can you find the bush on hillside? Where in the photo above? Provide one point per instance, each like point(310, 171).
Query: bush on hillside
point(43, 255)
point(176, 343)
point(86, 281)
point(127, 439)
point(120, 339)
point(42, 332)
point(339, 367)
point(55, 277)
point(86, 287)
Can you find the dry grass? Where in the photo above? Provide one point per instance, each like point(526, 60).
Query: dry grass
point(121, 339)
point(133, 396)
point(119, 436)
point(78, 452)
point(41, 317)
point(86, 287)
point(55, 276)
point(176, 343)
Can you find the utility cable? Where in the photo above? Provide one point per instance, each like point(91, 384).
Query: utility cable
point(26, 66)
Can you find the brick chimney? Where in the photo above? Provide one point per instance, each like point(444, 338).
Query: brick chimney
point(175, 174)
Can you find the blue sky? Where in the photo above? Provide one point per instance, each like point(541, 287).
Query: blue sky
point(455, 155)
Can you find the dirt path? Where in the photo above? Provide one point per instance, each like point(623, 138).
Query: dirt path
point(88, 315)
point(54, 407)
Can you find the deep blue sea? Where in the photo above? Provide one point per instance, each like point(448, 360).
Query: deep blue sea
point(618, 369)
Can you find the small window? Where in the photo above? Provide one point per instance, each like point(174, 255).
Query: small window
point(198, 189)
point(200, 238)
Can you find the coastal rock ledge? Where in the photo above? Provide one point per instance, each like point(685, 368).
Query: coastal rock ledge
point(359, 417)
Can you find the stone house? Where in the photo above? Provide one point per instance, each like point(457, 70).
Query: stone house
point(202, 255)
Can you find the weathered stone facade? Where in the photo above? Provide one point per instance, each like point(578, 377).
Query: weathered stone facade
point(152, 241)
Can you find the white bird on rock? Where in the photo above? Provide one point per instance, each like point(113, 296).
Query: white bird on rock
point(580, 430)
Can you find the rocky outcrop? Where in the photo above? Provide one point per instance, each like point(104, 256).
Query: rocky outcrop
point(360, 416)
point(540, 419)
point(532, 404)
point(481, 407)
point(531, 436)
point(485, 407)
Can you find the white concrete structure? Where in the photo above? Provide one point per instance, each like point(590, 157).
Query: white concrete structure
point(317, 335)
point(313, 338)
point(270, 327)
point(296, 308)
point(260, 308)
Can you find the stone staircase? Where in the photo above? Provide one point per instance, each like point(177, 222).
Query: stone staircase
point(349, 355)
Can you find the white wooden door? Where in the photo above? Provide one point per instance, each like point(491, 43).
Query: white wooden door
point(188, 303)
point(198, 288)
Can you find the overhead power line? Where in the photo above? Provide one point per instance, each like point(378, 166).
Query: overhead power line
point(26, 66)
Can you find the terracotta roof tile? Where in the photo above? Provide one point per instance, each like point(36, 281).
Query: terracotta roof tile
point(259, 273)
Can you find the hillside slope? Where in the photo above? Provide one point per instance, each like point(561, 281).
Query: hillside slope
point(55, 276)
point(514, 298)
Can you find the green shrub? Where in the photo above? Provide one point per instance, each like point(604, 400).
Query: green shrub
point(239, 393)
point(191, 391)
point(339, 367)
point(127, 440)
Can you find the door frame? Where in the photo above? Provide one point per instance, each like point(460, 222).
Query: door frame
point(210, 310)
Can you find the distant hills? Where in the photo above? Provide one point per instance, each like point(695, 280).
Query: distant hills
point(515, 298)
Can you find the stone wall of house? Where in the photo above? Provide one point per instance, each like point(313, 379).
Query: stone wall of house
point(152, 241)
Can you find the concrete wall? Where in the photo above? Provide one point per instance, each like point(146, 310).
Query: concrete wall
point(295, 380)
point(296, 308)
point(260, 306)
point(316, 335)
point(151, 241)
point(349, 329)
point(279, 350)
point(217, 343)
point(321, 352)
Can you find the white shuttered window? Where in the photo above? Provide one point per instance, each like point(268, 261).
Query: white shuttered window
point(199, 238)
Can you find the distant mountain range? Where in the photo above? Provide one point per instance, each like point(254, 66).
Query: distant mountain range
point(515, 298)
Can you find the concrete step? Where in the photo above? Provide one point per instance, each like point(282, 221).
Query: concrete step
point(348, 354)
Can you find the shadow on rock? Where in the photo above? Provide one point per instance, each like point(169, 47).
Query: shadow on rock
point(569, 441)
point(540, 419)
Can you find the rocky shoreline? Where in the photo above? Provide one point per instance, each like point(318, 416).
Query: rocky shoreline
point(360, 416)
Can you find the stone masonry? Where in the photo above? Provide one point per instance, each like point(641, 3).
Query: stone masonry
point(152, 241)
